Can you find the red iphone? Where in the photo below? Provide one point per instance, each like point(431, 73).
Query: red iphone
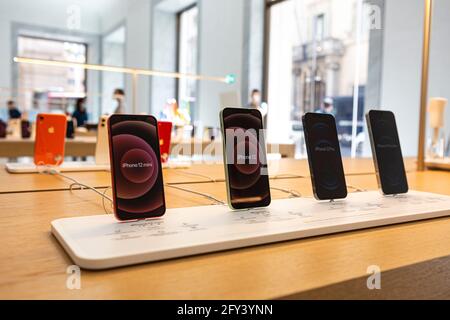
point(136, 171)
point(165, 133)
point(50, 139)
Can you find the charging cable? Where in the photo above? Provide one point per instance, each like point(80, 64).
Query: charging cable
point(292, 193)
point(210, 179)
point(357, 189)
point(208, 196)
point(287, 175)
point(75, 183)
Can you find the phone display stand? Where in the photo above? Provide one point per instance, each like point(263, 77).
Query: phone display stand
point(67, 166)
point(438, 163)
point(100, 242)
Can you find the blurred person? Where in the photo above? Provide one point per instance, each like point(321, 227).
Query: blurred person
point(255, 102)
point(80, 113)
point(13, 111)
point(327, 106)
point(119, 98)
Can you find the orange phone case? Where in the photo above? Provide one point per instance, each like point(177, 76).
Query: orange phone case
point(50, 139)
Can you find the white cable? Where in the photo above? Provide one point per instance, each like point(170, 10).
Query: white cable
point(357, 189)
point(53, 171)
point(198, 175)
point(103, 200)
point(293, 193)
point(287, 175)
point(196, 192)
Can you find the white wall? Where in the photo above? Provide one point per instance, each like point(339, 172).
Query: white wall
point(220, 53)
point(253, 48)
point(164, 57)
point(137, 54)
point(97, 17)
point(136, 15)
point(112, 55)
point(113, 14)
point(439, 73)
point(401, 70)
point(402, 60)
point(220, 41)
point(43, 13)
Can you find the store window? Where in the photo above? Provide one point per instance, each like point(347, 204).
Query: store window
point(48, 88)
point(319, 27)
point(318, 55)
point(187, 58)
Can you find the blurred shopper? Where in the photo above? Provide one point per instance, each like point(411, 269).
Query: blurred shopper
point(13, 111)
point(80, 113)
point(255, 102)
point(119, 98)
point(327, 106)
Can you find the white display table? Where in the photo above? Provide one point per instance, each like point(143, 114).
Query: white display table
point(100, 242)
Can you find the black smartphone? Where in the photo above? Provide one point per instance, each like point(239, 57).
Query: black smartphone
point(324, 156)
point(136, 172)
point(25, 128)
point(244, 154)
point(2, 129)
point(386, 152)
point(70, 131)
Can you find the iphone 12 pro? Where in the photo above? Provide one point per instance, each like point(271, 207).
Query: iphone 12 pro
point(324, 156)
point(386, 152)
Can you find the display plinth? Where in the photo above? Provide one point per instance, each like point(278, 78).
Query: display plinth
point(100, 242)
point(67, 166)
point(441, 164)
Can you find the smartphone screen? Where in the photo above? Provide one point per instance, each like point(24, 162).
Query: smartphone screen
point(245, 158)
point(324, 156)
point(136, 172)
point(386, 152)
point(2, 129)
point(70, 132)
point(25, 129)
